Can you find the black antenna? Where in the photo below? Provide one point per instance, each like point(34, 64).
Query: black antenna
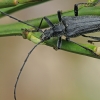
point(23, 67)
point(19, 20)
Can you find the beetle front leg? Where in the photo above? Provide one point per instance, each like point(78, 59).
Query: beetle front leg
point(59, 43)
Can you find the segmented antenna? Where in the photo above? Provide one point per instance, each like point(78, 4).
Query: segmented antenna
point(37, 29)
point(19, 20)
point(23, 67)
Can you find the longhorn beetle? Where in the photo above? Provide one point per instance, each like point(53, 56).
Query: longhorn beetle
point(70, 27)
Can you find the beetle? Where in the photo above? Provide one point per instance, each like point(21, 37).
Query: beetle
point(69, 26)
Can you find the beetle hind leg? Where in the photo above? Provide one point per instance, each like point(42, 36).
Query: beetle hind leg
point(96, 39)
point(91, 3)
point(91, 41)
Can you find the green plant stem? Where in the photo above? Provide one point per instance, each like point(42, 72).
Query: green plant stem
point(66, 45)
point(15, 29)
point(10, 9)
point(93, 1)
point(26, 1)
point(8, 3)
point(11, 3)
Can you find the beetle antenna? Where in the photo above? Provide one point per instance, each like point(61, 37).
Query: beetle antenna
point(23, 67)
point(18, 20)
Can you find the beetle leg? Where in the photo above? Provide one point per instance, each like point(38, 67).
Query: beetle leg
point(92, 37)
point(59, 42)
point(59, 16)
point(48, 22)
point(96, 39)
point(91, 41)
point(76, 8)
point(85, 4)
point(40, 24)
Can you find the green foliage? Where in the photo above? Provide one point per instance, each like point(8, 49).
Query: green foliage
point(15, 28)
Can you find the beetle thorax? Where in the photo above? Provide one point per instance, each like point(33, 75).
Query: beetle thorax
point(56, 31)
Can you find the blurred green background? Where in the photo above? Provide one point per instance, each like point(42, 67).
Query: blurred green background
point(48, 74)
